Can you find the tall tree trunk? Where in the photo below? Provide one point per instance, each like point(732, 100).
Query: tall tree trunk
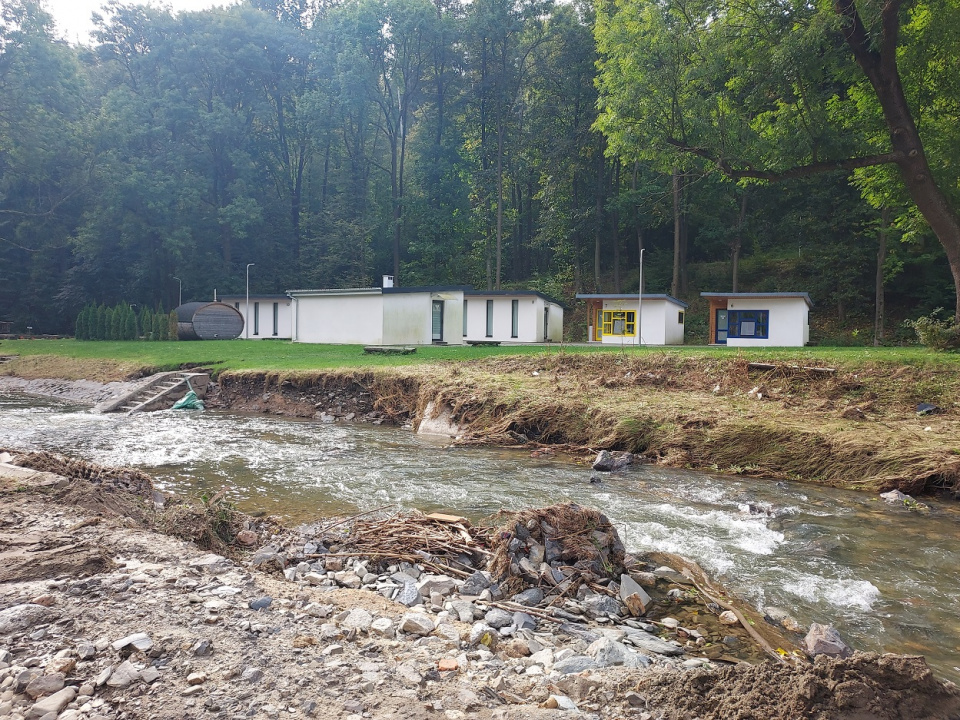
point(598, 222)
point(633, 186)
point(499, 200)
point(675, 284)
point(738, 242)
point(878, 60)
point(615, 229)
point(878, 318)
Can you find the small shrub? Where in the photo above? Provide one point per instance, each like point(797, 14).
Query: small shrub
point(936, 332)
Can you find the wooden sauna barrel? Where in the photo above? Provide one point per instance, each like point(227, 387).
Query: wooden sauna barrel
point(208, 321)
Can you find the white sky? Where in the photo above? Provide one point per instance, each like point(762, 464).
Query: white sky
point(73, 16)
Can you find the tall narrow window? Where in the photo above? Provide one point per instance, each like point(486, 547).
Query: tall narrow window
point(489, 318)
point(237, 305)
point(256, 318)
point(276, 319)
point(464, 318)
point(514, 318)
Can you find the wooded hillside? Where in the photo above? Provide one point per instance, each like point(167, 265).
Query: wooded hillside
point(458, 142)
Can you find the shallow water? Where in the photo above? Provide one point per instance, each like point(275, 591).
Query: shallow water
point(886, 577)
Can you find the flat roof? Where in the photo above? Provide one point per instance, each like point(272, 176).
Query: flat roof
point(759, 295)
point(631, 296)
point(514, 293)
point(427, 288)
point(273, 296)
point(336, 291)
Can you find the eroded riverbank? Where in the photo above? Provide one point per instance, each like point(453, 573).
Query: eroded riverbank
point(128, 623)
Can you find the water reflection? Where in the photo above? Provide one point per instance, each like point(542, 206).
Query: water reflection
point(887, 577)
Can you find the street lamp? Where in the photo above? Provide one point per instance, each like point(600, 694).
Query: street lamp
point(180, 295)
point(246, 319)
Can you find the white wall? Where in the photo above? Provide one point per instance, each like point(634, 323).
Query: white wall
point(789, 322)
point(284, 318)
point(555, 323)
point(406, 319)
point(529, 318)
point(350, 319)
point(658, 322)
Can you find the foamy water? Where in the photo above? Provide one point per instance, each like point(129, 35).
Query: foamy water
point(826, 555)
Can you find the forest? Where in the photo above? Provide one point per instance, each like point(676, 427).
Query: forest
point(495, 143)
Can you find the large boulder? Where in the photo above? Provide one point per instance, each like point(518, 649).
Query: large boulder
point(825, 640)
point(610, 460)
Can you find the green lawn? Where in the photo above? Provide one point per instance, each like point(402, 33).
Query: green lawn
point(279, 355)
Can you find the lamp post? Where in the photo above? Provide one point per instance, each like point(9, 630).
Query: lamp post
point(246, 319)
point(640, 300)
point(180, 295)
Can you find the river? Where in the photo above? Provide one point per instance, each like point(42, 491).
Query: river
point(888, 578)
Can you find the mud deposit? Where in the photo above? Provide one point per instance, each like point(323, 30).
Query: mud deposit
point(128, 622)
point(865, 687)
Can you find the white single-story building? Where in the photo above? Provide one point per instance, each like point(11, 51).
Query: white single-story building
point(612, 319)
point(379, 316)
point(511, 316)
point(267, 316)
point(759, 319)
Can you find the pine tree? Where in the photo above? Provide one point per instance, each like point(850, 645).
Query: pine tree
point(102, 323)
point(129, 323)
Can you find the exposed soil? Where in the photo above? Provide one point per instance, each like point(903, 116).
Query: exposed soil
point(96, 572)
point(857, 430)
point(865, 687)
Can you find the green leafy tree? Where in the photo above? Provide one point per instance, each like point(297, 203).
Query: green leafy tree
point(788, 90)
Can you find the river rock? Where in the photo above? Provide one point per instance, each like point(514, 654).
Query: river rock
point(574, 664)
point(21, 617)
point(530, 597)
point(123, 675)
point(608, 461)
point(212, 563)
point(475, 584)
point(825, 640)
point(728, 617)
point(651, 644)
point(497, 618)
point(53, 704)
point(779, 616)
point(464, 610)
point(416, 624)
point(357, 619)
point(45, 685)
point(141, 641)
point(429, 584)
point(607, 653)
point(596, 605)
point(524, 621)
point(483, 634)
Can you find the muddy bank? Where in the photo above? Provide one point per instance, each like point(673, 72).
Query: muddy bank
point(105, 618)
point(84, 392)
point(850, 428)
point(853, 430)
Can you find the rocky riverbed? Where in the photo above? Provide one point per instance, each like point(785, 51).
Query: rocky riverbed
point(104, 617)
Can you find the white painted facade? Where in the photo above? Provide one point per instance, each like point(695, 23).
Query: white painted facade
point(661, 319)
point(522, 317)
point(266, 317)
point(378, 316)
point(789, 321)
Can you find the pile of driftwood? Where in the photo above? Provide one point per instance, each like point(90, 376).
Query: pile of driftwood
point(444, 543)
point(556, 548)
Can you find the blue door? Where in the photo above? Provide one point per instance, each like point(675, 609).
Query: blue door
point(722, 327)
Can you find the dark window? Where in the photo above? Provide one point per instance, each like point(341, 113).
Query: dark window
point(464, 318)
point(489, 318)
point(276, 318)
point(256, 318)
point(749, 324)
point(680, 317)
point(514, 318)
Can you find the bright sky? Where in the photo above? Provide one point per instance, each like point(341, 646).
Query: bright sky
point(73, 16)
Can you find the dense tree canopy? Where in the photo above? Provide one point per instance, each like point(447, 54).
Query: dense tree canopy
point(478, 143)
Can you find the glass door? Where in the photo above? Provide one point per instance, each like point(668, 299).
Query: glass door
point(722, 327)
point(437, 324)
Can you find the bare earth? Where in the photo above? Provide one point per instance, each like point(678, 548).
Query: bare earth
point(78, 561)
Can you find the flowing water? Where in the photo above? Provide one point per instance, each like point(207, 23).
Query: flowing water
point(888, 578)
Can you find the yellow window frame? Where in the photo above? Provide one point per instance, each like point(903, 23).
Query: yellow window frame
point(628, 318)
